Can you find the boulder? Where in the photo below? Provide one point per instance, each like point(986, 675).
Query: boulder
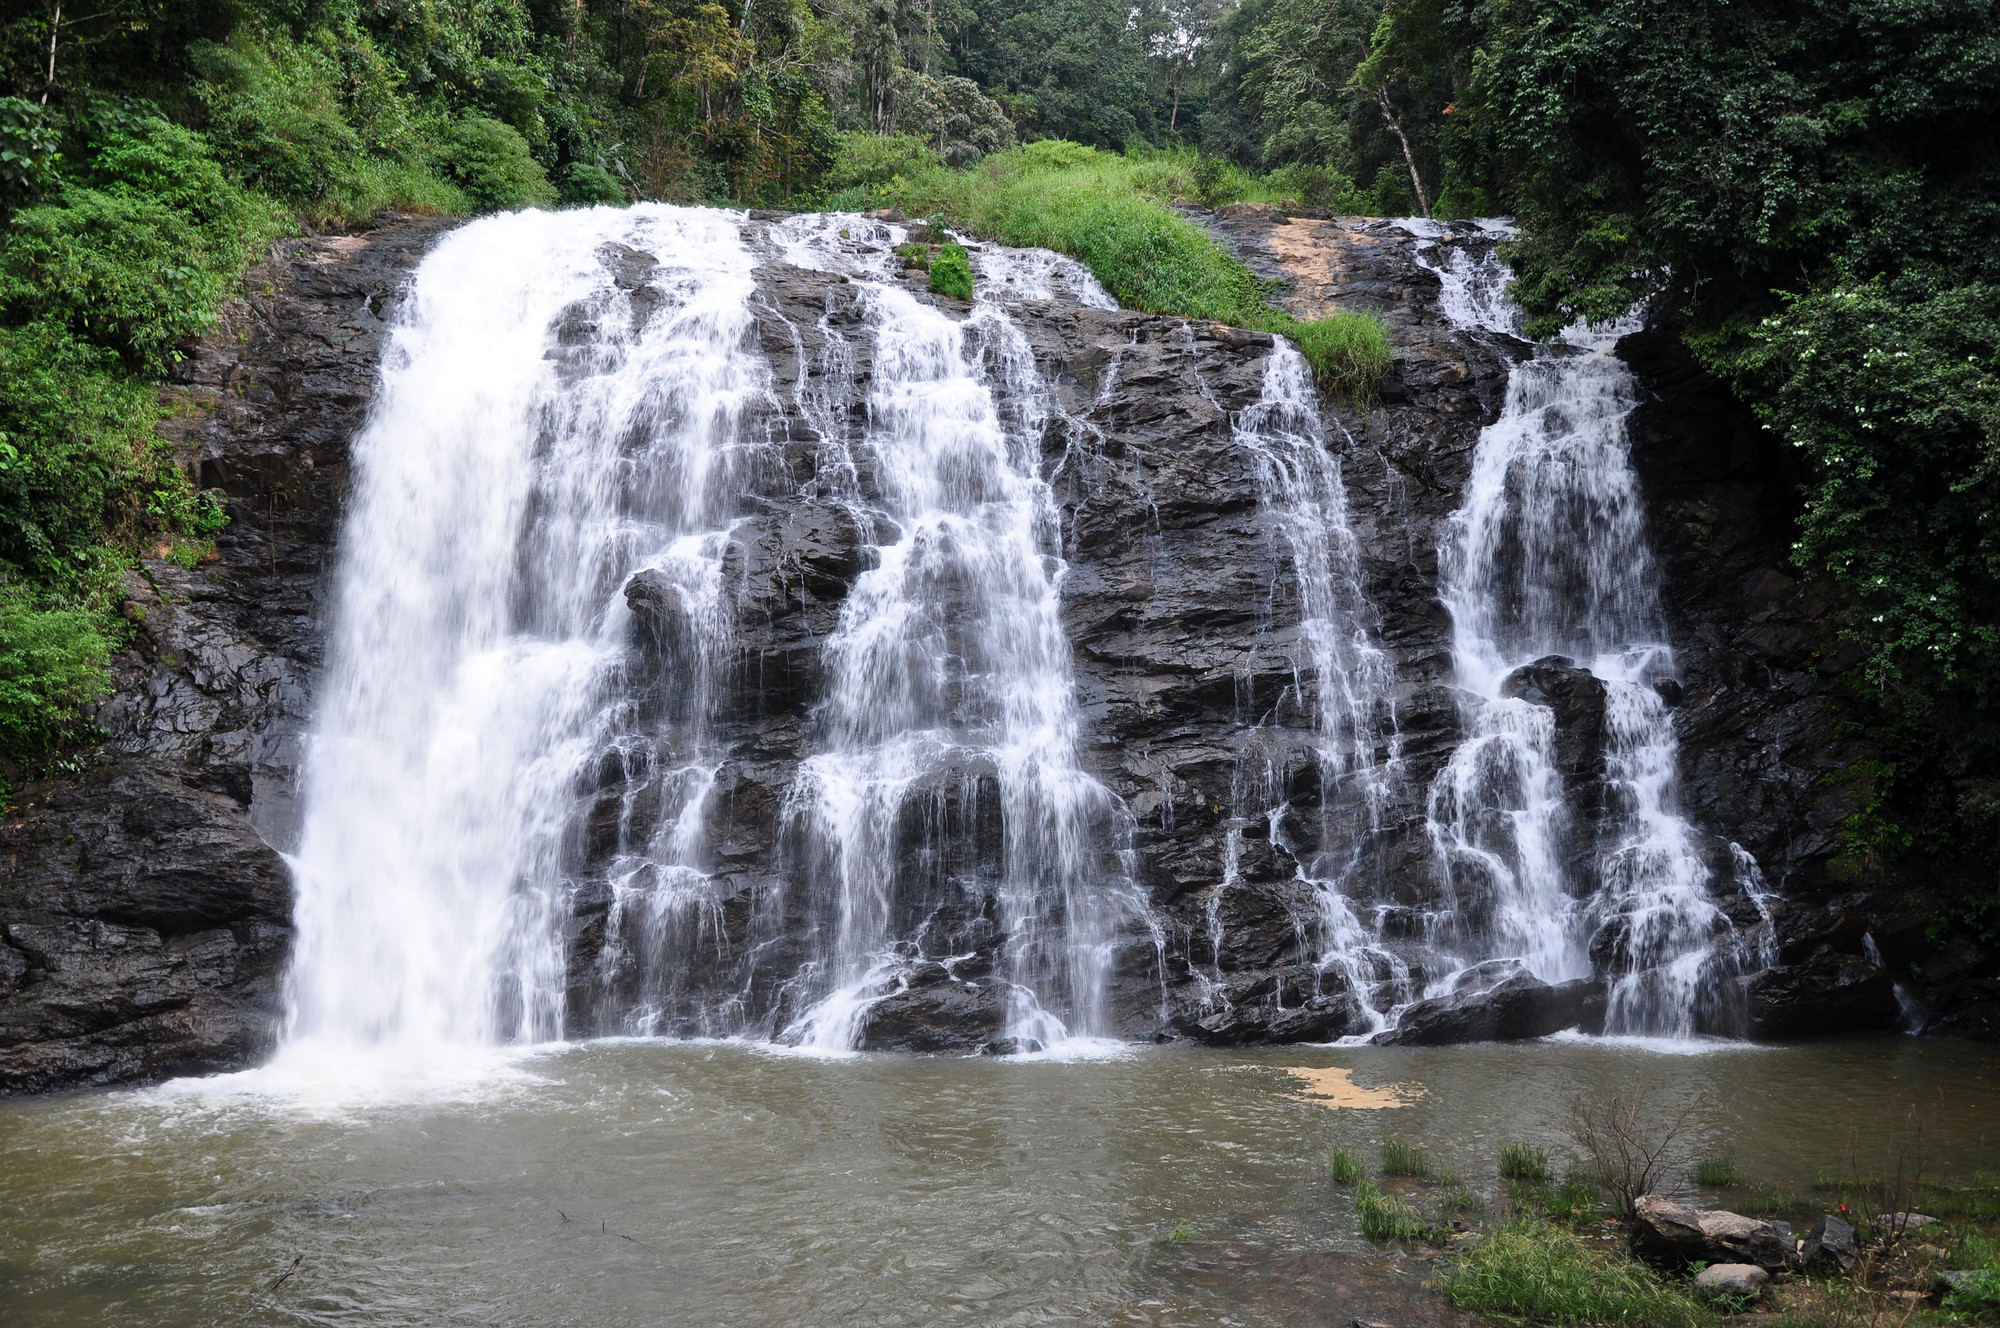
point(1897, 1223)
point(1741, 1281)
point(944, 1014)
point(1829, 1246)
point(1495, 1002)
point(1674, 1234)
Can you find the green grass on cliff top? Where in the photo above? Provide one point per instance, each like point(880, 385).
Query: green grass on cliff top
point(1094, 207)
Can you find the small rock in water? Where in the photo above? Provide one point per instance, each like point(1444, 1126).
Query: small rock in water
point(1731, 1279)
point(1830, 1244)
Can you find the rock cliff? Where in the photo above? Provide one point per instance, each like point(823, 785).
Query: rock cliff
point(146, 904)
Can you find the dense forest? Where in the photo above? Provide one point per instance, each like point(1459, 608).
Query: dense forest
point(1808, 191)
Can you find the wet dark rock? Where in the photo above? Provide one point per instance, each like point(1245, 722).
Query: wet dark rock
point(1828, 993)
point(1829, 1246)
point(936, 1012)
point(1577, 696)
point(1496, 1002)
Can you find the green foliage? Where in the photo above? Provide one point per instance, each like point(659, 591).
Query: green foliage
point(1347, 1167)
point(1385, 1217)
point(1980, 1296)
point(1523, 1161)
point(951, 272)
point(28, 149)
point(1182, 1233)
point(1715, 1170)
point(1576, 1199)
point(53, 670)
point(871, 159)
point(1549, 1274)
point(1404, 1157)
point(491, 162)
point(1896, 404)
point(584, 183)
point(1085, 203)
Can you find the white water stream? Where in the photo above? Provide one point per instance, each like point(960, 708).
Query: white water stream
point(1548, 556)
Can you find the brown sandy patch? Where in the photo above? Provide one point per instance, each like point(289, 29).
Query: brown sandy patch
point(1334, 1087)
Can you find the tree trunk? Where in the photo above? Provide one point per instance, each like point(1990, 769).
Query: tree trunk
point(1395, 122)
point(55, 26)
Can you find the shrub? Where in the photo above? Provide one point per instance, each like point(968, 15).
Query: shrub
point(951, 272)
point(491, 162)
point(53, 669)
point(586, 183)
point(1535, 1271)
point(1347, 1168)
point(1519, 1161)
point(1402, 1157)
point(1631, 1147)
point(275, 117)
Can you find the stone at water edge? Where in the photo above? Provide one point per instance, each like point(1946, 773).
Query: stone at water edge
point(1901, 1222)
point(1731, 1279)
point(1671, 1233)
point(1830, 1244)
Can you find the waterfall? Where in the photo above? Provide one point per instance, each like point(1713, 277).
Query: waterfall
point(1342, 691)
point(534, 642)
point(1547, 564)
point(537, 440)
point(950, 672)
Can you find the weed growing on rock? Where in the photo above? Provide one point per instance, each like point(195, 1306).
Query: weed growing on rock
point(951, 272)
point(1086, 203)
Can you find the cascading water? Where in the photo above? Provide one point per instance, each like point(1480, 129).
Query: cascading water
point(1547, 557)
point(535, 443)
point(950, 674)
point(535, 629)
point(1342, 691)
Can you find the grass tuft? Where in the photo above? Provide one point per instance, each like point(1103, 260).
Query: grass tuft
point(1182, 1233)
point(1404, 1157)
point(1533, 1270)
point(1519, 1161)
point(1385, 1217)
point(1716, 1170)
point(1347, 1168)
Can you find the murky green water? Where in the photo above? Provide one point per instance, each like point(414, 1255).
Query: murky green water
point(639, 1183)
